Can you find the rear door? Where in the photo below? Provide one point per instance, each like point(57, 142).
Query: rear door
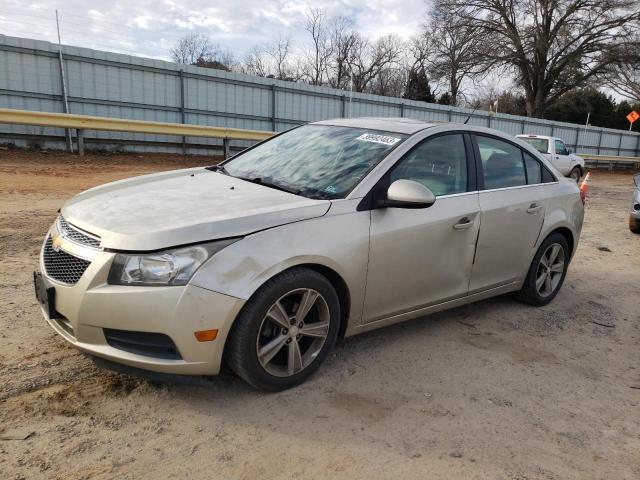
point(512, 210)
point(420, 257)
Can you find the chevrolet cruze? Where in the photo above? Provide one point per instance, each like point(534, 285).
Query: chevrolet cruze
point(327, 230)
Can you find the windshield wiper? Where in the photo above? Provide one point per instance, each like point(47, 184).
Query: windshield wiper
point(219, 168)
point(267, 183)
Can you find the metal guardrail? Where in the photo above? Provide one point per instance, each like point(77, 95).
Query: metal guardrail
point(610, 160)
point(86, 122)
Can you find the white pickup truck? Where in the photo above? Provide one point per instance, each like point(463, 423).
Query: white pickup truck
point(568, 163)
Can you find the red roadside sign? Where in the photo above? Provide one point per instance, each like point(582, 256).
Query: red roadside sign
point(633, 116)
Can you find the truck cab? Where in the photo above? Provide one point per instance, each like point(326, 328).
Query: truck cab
point(554, 148)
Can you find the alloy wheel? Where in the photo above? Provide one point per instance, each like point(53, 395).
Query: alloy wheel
point(550, 270)
point(293, 332)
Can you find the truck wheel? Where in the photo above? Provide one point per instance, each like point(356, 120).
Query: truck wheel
point(576, 174)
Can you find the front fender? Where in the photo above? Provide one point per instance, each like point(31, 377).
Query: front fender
point(339, 242)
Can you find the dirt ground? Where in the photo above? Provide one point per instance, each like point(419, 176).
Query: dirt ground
point(494, 390)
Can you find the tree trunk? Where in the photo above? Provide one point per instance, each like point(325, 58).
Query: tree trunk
point(535, 104)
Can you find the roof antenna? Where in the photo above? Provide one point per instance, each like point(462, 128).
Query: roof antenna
point(470, 115)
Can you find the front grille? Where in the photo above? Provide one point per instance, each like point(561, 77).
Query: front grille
point(61, 266)
point(157, 345)
point(76, 235)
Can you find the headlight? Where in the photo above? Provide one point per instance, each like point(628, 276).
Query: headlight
point(169, 267)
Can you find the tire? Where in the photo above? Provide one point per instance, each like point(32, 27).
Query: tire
point(538, 294)
point(634, 224)
point(576, 174)
point(268, 353)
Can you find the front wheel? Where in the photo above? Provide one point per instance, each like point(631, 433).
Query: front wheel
point(285, 331)
point(634, 224)
point(547, 271)
point(576, 174)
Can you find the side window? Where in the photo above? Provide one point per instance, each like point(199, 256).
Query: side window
point(561, 148)
point(501, 163)
point(439, 163)
point(534, 169)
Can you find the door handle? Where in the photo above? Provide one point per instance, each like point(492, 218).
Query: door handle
point(534, 208)
point(463, 224)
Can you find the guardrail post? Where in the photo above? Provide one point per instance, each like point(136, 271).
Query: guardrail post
point(182, 113)
point(225, 147)
point(273, 107)
point(80, 133)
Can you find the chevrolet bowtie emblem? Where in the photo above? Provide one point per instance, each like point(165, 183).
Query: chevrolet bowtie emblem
point(56, 242)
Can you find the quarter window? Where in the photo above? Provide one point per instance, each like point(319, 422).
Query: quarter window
point(440, 164)
point(502, 163)
point(534, 169)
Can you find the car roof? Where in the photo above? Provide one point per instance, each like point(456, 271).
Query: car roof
point(407, 126)
point(546, 137)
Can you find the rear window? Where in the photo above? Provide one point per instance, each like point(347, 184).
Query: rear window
point(540, 144)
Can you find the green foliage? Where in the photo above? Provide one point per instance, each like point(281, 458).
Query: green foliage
point(418, 87)
point(574, 106)
point(444, 99)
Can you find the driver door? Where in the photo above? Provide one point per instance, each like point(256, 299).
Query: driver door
point(421, 257)
point(562, 159)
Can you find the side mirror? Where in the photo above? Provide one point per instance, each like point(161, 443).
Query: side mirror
point(569, 151)
point(408, 194)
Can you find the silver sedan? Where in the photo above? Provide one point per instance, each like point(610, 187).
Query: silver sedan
point(327, 230)
point(634, 212)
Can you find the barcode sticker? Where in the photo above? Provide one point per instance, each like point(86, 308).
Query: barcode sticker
point(383, 139)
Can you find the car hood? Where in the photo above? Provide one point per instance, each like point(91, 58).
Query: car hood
point(179, 207)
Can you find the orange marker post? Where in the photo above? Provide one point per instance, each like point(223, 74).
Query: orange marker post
point(584, 188)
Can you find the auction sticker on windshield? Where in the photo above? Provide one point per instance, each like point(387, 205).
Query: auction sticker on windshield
point(384, 139)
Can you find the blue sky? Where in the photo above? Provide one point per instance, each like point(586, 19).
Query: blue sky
point(149, 28)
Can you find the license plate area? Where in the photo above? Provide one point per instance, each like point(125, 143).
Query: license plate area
point(45, 295)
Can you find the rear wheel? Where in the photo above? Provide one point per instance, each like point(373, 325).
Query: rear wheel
point(547, 271)
point(285, 331)
point(576, 174)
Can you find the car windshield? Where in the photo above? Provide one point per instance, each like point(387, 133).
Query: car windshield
point(540, 144)
point(316, 161)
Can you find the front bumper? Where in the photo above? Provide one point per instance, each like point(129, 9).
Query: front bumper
point(84, 310)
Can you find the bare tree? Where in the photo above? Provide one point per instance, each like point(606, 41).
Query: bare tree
point(320, 52)
point(451, 49)
point(198, 49)
point(256, 63)
point(279, 51)
point(343, 40)
point(367, 60)
point(192, 47)
point(624, 78)
point(553, 46)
